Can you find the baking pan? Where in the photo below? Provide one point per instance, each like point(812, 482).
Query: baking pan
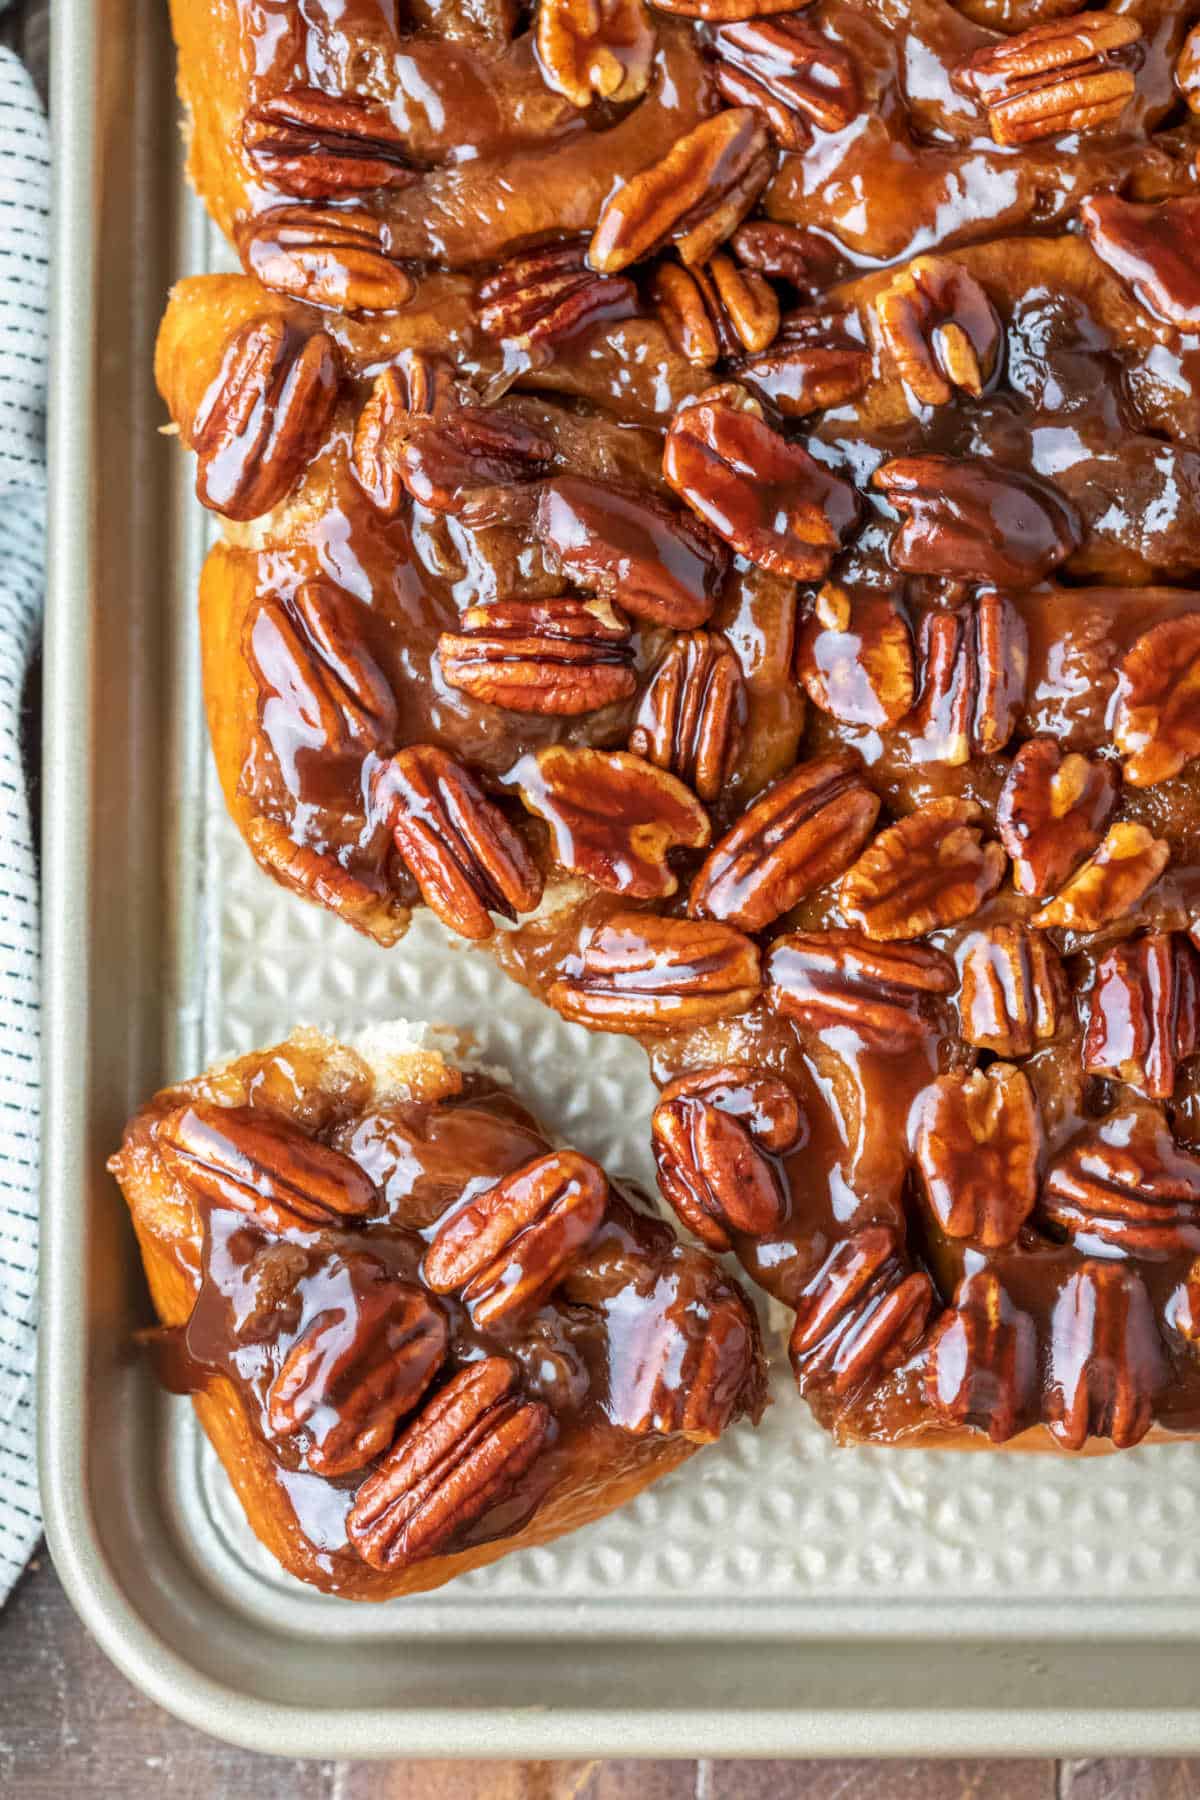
point(775, 1597)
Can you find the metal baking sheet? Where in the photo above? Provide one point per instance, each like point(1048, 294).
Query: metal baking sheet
point(776, 1596)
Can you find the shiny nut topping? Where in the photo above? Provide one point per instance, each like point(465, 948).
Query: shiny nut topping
point(790, 73)
point(977, 1139)
point(613, 817)
point(802, 832)
point(968, 520)
point(1144, 1013)
point(816, 360)
point(1110, 883)
point(768, 498)
point(939, 328)
point(714, 1133)
point(787, 251)
point(700, 191)
point(1056, 77)
point(595, 49)
point(327, 256)
point(982, 1359)
point(541, 656)
point(860, 1314)
point(318, 146)
point(455, 463)
point(929, 870)
point(1051, 813)
point(546, 295)
point(505, 1250)
point(407, 393)
point(1156, 724)
point(715, 309)
point(1106, 1359)
point(263, 418)
point(1013, 997)
point(465, 1452)
point(355, 1371)
point(693, 713)
point(854, 657)
point(1154, 249)
point(840, 981)
point(686, 1381)
point(1124, 1187)
point(1187, 70)
point(720, 11)
point(638, 973)
point(458, 846)
point(974, 667)
point(658, 564)
point(1183, 1308)
point(314, 670)
point(244, 1159)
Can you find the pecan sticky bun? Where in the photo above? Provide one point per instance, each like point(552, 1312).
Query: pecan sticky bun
point(713, 486)
point(418, 1335)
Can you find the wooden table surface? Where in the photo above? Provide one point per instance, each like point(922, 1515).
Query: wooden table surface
point(71, 1725)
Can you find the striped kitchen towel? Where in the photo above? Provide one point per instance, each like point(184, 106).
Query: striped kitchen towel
point(24, 219)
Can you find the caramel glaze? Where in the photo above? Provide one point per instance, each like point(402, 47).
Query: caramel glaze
point(1091, 395)
point(235, 1299)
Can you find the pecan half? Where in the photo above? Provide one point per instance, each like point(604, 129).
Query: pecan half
point(816, 360)
point(693, 713)
point(310, 661)
point(940, 329)
point(326, 256)
point(977, 1139)
point(465, 1452)
point(974, 667)
point(613, 817)
point(413, 389)
point(317, 145)
point(545, 295)
point(1187, 70)
point(715, 309)
point(929, 870)
point(595, 49)
point(768, 498)
point(1156, 723)
point(967, 520)
point(1013, 996)
point(854, 657)
point(790, 252)
point(1105, 1358)
point(659, 564)
point(837, 980)
point(506, 1248)
point(1052, 812)
point(692, 1365)
point(693, 198)
point(1154, 249)
point(982, 1359)
point(263, 418)
point(1111, 882)
point(802, 832)
point(860, 1314)
point(1056, 77)
point(638, 973)
point(1144, 1013)
point(454, 464)
point(243, 1158)
point(1125, 1186)
point(541, 656)
point(790, 73)
point(355, 1371)
point(458, 846)
point(720, 11)
point(714, 1133)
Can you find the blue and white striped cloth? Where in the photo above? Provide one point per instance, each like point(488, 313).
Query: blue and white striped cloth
point(24, 221)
